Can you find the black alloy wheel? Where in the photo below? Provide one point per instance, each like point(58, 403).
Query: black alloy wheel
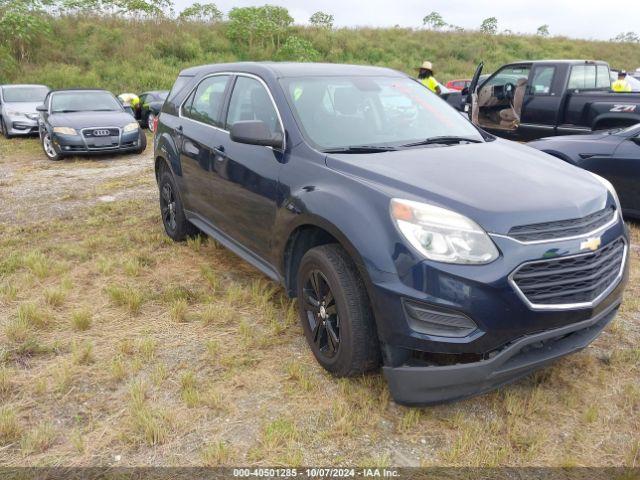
point(322, 314)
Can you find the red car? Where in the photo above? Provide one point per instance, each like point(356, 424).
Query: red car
point(457, 84)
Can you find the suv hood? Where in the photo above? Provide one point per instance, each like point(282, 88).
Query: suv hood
point(90, 119)
point(499, 184)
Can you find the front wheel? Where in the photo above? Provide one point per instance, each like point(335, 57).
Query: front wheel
point(142, 142)
point(335, 312)
point(49, 148)
point(4, 130)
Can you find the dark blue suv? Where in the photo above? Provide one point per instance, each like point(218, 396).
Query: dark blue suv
point(411, 239)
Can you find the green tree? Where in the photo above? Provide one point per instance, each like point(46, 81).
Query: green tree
point(201, 12)
point(543, 30)
point(23, 23)
point(489, 26)
point(298, 49)
point(321, 20)
point(252, 25)
point(434, 21)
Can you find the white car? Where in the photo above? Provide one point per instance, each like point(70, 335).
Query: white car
point(18, 115)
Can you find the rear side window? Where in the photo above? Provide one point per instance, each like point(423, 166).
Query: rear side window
point(541, 81)
point(205, 103)
point(251, 101)
point(180, 83)
point(585, 77)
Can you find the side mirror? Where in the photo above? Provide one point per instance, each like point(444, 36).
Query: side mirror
point(41, 108)
point(255, 132)
point(128, 109)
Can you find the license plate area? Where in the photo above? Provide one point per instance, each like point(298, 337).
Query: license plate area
point(102, 141)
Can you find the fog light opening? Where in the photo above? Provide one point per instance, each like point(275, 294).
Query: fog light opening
point(437, 321)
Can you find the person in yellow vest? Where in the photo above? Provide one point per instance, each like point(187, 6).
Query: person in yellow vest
point(133, 100)
point(425, 75)
point(621, 85)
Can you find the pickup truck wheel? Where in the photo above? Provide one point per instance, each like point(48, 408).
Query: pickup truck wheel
point(174, 220)
point(335, 312)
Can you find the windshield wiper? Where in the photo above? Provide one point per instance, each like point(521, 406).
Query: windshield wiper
point(361, 149)
point(104, 110)
point(444, 140)
point(65, 111)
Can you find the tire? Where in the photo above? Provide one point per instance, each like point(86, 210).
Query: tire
point(149, 121)
point(4, 130)
point(143, 142)
point(175, 222)
point(49, 148)
point(347, 318)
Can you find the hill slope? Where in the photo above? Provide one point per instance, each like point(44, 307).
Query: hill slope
point(127, 55)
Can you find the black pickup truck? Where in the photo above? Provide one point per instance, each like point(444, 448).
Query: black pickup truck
point(533, 99)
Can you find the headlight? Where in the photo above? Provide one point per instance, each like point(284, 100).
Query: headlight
point(442, 235)
point(607, 184)
point(65, 130)
point(131, 127)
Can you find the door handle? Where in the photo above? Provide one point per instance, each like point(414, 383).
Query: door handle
point(179, 129)
point(219, 151)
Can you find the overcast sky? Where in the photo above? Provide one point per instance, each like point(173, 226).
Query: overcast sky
point(573, 18)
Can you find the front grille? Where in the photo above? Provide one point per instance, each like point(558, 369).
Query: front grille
point(562, 228)
point(570, 280)
point(91, 132)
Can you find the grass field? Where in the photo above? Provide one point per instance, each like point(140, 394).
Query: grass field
point(120, 347)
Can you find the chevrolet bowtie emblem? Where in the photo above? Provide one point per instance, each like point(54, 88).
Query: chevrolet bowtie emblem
point(591, 244)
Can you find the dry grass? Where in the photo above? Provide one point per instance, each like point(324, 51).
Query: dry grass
point(116, 341)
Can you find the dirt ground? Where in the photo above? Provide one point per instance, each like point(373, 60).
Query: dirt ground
point(119, 347)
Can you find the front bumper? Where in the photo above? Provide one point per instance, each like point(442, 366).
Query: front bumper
point(413, 385)
point(21, 125)
point(79, 144)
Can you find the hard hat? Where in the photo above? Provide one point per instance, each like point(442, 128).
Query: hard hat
point(426, 66)
point(622, 73)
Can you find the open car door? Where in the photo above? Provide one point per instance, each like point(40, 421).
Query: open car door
point(471, 107)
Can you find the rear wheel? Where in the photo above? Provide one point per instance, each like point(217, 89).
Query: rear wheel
point(150, 121)
point(49, 148)
point(335, 312)
point(173, 217)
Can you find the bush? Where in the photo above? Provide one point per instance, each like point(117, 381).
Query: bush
point(298, 50)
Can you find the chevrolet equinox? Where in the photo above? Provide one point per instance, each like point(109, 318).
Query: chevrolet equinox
point(411, 239)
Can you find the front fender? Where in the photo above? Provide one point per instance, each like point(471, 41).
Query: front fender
point(359, 220)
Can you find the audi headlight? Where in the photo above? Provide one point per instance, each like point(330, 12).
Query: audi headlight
point(442, 235)
point(607, 184)
point(131, 127)
point(65, 130)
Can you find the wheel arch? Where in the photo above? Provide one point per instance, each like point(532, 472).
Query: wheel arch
point(309, 234)
point(612, 120)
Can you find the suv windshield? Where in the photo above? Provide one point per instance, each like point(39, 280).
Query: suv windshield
point(24, 94)
point(343, 112)
point(89, 101)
